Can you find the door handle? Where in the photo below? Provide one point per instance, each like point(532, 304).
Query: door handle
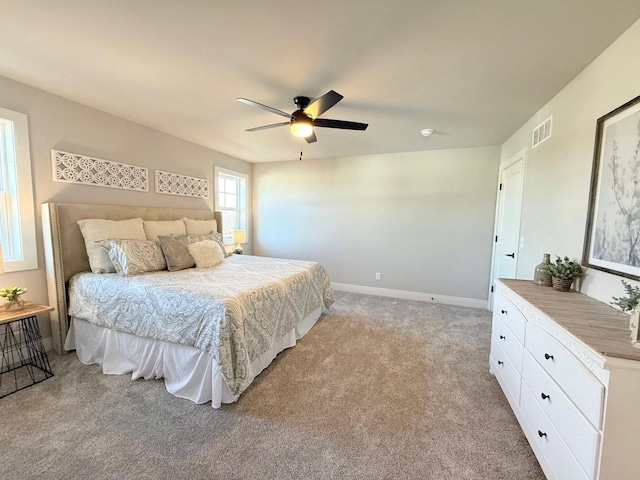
point(512, 255)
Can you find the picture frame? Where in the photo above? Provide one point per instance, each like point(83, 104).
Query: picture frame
point(612, 236)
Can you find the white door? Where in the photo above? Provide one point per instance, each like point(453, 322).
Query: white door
point(507, 230)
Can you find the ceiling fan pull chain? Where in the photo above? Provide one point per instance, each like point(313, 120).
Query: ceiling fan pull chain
point(301, 153)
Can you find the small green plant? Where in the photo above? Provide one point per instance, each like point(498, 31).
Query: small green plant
point(564, 268)
point(630, 301)
point(12, 293)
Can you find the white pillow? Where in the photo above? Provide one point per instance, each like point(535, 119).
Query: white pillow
point(94, 230)
point(164, 228)
point(200, 227)
point(206, 253)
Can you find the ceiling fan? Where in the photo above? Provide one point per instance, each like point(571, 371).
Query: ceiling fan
point(302, 121)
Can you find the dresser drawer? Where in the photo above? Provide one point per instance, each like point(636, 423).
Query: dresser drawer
point(508, 377)
point(508, 341)
point(580, 385)
point(577, 432)
point(510, 315)
point(545, 439)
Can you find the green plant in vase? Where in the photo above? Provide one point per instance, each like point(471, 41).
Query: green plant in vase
point(629, 302)
point(563, 272)
point(12, 294)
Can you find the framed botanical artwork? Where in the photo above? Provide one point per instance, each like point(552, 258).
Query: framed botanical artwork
point(612, 238)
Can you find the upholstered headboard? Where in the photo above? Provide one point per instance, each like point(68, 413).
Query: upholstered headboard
point(66, 255)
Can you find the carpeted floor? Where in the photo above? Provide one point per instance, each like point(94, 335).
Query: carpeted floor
point(380, 388)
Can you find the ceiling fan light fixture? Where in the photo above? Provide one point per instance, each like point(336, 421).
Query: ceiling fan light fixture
point(301, 130)
point(301, 125)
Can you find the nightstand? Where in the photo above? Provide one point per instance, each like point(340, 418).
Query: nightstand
point(23, 359)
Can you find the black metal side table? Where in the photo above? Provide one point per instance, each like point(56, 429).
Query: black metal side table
point(24, 360)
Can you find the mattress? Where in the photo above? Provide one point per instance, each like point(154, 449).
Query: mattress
point(235, 311)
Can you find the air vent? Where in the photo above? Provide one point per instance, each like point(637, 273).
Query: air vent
point(542, 132)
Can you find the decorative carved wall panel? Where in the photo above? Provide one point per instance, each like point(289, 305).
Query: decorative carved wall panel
point(73, 168)
point(176, 184)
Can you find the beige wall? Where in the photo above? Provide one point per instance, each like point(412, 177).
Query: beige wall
point(559, 171)
point(424, 220)
point(55, 122)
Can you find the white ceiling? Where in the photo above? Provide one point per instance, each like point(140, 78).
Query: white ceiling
point(474, 70)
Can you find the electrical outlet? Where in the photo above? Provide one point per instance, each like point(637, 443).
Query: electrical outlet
point(378, 276)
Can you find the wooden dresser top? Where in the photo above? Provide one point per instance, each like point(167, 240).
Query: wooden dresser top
point(597, 324)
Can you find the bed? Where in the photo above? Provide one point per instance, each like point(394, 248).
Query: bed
point(208, 332)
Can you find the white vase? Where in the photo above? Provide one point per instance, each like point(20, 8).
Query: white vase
point(13, 305)
point(634, 325)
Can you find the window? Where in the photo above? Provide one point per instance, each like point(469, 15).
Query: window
point(232, 199)
point(17, 221)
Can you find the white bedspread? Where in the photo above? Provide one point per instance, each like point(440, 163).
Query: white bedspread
point(235, 311)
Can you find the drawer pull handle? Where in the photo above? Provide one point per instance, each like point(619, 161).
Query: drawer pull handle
point(504, 312)
point(500, 362)
point(542, 434)
point(512, 255)
point(502, 337)
point(544, 396)
point(548, 357)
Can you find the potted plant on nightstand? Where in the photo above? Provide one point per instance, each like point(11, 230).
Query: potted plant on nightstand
point(12, 294)
point(563, 272)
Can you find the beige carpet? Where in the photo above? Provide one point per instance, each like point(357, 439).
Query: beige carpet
point(380, 388)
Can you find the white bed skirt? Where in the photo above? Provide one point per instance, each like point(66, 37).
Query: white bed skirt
point(188, 372)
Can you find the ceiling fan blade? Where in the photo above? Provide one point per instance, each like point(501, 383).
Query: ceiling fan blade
point(342, 124)
point(265, 127)
point(264, 107)
point(322, 104)
point(311, 138)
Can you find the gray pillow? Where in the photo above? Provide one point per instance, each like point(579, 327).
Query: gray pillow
point(133, 257)
point(176, 252)
point(218, 238)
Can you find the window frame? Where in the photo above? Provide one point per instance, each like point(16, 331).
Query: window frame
point(24, 228)
point(217, 207)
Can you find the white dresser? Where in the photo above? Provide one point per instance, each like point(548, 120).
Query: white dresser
point(572, 378)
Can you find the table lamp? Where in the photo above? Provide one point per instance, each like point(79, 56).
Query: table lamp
point(239, 237)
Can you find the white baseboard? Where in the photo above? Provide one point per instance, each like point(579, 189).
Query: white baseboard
point(405, 294)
